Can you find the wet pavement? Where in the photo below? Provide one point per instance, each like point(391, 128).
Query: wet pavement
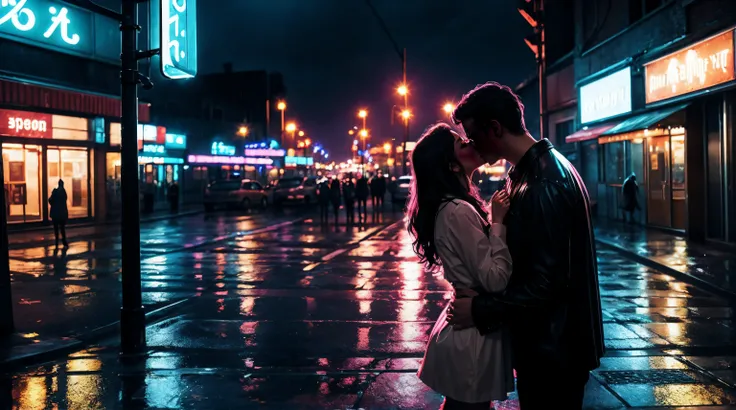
point(706, 266)
point(308, 317)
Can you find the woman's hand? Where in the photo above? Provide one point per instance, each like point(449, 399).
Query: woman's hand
point(499, 206)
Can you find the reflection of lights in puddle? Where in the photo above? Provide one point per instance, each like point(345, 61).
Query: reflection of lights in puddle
point(363, 338)
point(28, 335)
point(32, 393)
point(72, 289)
point(246, 305)
point(366, 300)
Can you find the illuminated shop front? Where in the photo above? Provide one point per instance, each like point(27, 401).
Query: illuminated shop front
point(160, 159)
point(38, 151)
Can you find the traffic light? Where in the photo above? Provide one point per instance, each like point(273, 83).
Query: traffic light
point(533, 12)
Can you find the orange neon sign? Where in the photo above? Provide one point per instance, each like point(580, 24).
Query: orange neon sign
point(697, 67)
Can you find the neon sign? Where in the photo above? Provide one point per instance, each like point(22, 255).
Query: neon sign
point(218, 148)
point(25, 124)
point(55, 25)
point(176, 141)
point(299, 161)
point(144, 159)
point(223, 160)
point(266, 152)
point(178, 38)
point(154, 149)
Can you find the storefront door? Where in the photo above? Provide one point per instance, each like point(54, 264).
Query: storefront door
point(659, 189)
point(23, 191)
point(71, 165)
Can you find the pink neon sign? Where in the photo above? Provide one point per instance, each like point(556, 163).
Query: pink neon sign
point(226, 160)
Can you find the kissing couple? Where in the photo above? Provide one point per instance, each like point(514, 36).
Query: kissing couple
point(523, 269)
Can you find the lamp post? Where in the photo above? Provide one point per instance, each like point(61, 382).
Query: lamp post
point(291, 128)
point(281, 106)
point(405, 114)
point(448, 108)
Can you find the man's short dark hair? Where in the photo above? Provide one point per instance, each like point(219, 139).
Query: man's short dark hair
point(492, 101)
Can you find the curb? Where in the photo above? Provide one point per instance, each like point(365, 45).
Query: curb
point(683, 276)
point(71, 345)
point(61, 346)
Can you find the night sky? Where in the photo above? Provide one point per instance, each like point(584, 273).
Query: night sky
point(336, 58)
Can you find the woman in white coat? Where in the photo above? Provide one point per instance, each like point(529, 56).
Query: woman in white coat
point(452, 229)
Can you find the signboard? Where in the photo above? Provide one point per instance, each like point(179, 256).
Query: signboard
point(218, 148)
point(154, 149)
point(264, 152)
point(145, 159)
point(25, 124)
point(177, 37)
point(176, 141)
point(223, 160)
point(605, 98)
point(698, 67)
point(151, 133)
point(57, 26)
point(298, 160)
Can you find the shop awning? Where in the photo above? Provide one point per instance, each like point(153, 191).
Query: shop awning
point(588, 133)
point(644, 121)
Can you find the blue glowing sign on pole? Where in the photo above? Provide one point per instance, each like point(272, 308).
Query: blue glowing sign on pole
point(178, 38)
point(57, 26)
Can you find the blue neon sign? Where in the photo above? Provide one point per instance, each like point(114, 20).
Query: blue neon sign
point(54, 25)
point(176, 141)
point(218, 148)
point(178, 38)
point(299, 160)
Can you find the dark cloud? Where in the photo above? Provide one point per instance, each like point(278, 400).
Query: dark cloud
point(336, 58)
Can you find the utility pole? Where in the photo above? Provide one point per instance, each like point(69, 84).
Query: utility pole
point(406, 120)
point(533, 13)
point(7, 326)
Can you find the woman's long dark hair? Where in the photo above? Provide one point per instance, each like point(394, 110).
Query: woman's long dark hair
point(433, 183)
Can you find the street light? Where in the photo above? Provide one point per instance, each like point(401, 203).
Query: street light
point(282, 107)
point(363, 114)
point(301, 133)
point(364, 133)
point(291, 127)
point(403, 90)
point(448, 107)
point(243, 131)
point(406, 114)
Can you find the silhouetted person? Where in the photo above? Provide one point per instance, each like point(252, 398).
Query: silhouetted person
point(323, 195)
point(59, 213)
point(335, 194)
point(173, 197)
point(631, 198)
point(361, 194)
point(348, 196)
point(378, 191)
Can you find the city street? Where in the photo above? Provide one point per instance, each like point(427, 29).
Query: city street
point(283, 313)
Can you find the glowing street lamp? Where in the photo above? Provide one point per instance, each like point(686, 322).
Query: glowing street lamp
point(406, 114)
point(291, 127)
point(281, 106)
point(448, 107)
point(402, 90)
point(387, 148)
point(301, 133)
point(364, 133)
point(363, 114)
point(243, 131)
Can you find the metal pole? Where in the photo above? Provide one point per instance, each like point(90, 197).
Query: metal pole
point(7, 325)
point(268, 117)
point(542, 65)
point(406, 120)
point(132, 318)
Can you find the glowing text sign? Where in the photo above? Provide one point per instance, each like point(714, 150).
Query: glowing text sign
point(154, 149)
point(700, 66)
point(605, 98)
point(60, 27)
point(176, 141)
point(25, 124)
point(222, 160)
point(298, 160)
point(178, 38)
point(264, 152)
point(219, 148)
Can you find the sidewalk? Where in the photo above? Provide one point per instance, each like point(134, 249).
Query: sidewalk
point(696, 263)
point(45, 234)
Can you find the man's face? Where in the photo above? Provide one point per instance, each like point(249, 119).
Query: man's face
point(483, 140)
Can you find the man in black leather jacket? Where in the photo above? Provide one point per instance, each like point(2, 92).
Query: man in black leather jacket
point(552, 303)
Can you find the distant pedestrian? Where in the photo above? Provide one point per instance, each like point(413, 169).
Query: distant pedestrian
point(173, 197)
point(59, 213)
point(361, 194)
point(630, 192)
point(348, 197)
point(323, 193)
point(335, 194)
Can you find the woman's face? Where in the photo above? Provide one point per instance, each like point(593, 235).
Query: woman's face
point(466, 155)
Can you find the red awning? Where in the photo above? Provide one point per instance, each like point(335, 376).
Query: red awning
point(588, 133)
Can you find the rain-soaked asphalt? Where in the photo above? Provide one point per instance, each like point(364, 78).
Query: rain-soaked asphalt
point(306, 317)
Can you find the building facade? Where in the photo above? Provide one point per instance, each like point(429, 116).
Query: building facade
point(59, 88)
point(655, 83)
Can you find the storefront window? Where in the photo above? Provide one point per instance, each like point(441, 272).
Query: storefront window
point(71, 166)
point(614, 162)
point(116, 134)
point(678, 162)
point(22, 172)
point(70, 128)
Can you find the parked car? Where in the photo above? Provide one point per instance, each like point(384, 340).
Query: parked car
point(238, 193)
point(296, 189)
point(400, 188)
